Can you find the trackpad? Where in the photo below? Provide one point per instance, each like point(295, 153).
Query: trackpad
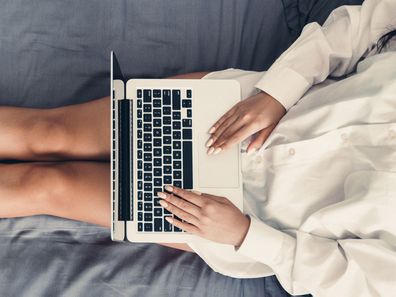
point(217, 171)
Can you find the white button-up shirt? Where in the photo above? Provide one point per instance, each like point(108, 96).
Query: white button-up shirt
point(321, 192)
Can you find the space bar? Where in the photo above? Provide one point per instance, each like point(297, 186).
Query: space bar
point(187, 165)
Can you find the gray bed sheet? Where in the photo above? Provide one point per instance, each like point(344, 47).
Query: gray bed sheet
point(54, 53)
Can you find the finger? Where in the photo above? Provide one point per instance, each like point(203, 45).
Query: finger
point(183, 225)
point(215, 198)
point(186, 195)
point(222, 129)
point(181, 203)
point(216, 125)
point(239, 135)
point(228, 134)
point(260, 138)
point(180, 213)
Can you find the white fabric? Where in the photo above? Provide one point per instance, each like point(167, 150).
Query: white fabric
point(321, 192)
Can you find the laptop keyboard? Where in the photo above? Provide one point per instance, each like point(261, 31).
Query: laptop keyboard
point(164, 152)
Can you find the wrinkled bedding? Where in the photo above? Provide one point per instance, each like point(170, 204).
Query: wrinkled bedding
point(55, 53)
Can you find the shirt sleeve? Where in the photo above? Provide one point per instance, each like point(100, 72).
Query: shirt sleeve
point(332, 49)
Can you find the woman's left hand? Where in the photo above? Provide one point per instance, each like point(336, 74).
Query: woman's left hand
point(211, 217)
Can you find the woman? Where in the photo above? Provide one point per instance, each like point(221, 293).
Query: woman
point(317, 195)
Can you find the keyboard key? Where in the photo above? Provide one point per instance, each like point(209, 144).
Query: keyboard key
point(139, 103)
point(139, 113)
point(139, 154)
point(157, 112)
point(148, 176)
point(167, 140)
point(176, 99)
point(167, 160)
point(148, 187)
point(166, 110)
point(147, 147)
point(157, 103)
point(156, 190)
point(176, 164)
point(157, 212)
point(140, 216)
point(157, 123)
point(157, 132)
point(148, 167)
point(157, 182)
point(157, 171)
point(148, 197)
point(157, 152)
point(147, 107)
point(140, 206)
point(167, 120)
point(177, 183)
point(176, 125)
point(176, 115)
point(157, 162)
point(167, 129)
point(148, 207)
point(147, 118)
point(157, 224)
point(186, 103)
point(167, 149)
point(140, 226)
point(139, 164)
point(157, 142)
point(156, 202)
point(147, 137)
point(148, 227)
point(140, 195)
point(187, 165)
point(176, 135)
point(187, 123)
point(148, 157)
point(167, 169)
point(167, 226)
point(187, 133)
point(177, 174)
point(177, 145)
point(148, 217)
point(167, 212)
point(166, 97)
point(167, 179)
point(147, 96)
point(139, 133)
point(147, 127)
point(140, 174)
point(139, 93)
point(139, 144)
point(156, 93)
point(177, 229)
point(177, 155)
point(139, 124)
point(189, 113)
point(189, 93)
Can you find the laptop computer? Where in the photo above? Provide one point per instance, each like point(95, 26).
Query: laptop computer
point(159, 130)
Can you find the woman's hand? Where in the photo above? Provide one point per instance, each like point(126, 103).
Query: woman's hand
point(211, 217)
point(259, 113)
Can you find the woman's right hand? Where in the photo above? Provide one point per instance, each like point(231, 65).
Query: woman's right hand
point(257, 114)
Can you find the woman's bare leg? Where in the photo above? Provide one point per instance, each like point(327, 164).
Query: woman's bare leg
point(73, 190)
point(79, 132)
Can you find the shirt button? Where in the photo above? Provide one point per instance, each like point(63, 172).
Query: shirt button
point(292, 151)
point(259, 159)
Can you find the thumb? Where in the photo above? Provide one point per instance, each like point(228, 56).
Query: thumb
point(260, 138)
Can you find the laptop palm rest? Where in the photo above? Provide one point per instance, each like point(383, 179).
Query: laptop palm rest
point(217, 171)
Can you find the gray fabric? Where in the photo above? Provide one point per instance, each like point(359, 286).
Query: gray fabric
point(55, 53)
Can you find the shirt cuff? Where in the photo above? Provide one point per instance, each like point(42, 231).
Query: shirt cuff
point(262, 242)
point(284, 84)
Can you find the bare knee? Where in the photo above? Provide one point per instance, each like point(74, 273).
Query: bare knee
point(46, 184)
point(48, 135)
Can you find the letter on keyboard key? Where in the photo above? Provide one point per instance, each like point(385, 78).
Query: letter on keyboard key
point(148, 227)
point(148, 207)
point(157, 93)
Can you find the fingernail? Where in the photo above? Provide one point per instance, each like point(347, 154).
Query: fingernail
point(210, 151)
point(169, 219)
point(216, 151)
point(251, 151)
point(163, 203)
point(196, 192)
point(209, 142)
point(212, 130)
point(161, 195)
point(169, 188)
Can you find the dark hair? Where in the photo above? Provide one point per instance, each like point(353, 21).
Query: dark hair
point(384, 40)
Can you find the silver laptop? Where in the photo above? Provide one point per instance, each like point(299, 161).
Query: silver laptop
point(159, 130)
